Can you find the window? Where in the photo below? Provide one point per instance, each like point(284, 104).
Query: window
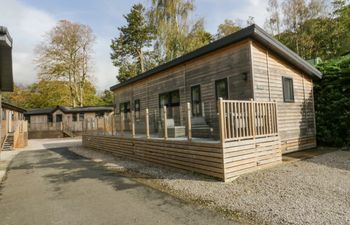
point(99, 114)
point(81, 116)
point(196, 100)
point(137, 108)
point(169, 99)
point(27, 117)
point(288, 91)
point(124, 107)
point(221, 90)
point(58, 118)
point(49, 118)
point(74, 117)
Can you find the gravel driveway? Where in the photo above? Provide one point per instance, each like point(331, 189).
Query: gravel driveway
point(312, 191)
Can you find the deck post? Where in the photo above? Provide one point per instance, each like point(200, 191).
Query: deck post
point(133, 124)
point(122, 124)
point(189, 122)
point(104, 126)
point(147, 123)
point(203, 111)
point(165, 123)
point(276, 116)
point(112, 121)
point(221, 121)
point(253, 116)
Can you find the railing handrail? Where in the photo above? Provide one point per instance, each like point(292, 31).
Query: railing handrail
point(242, 119)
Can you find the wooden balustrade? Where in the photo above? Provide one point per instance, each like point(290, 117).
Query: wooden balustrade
point(237, 120)
point(247, 119)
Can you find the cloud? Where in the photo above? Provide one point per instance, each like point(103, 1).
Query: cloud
point(215, 12)
point(104, 72)
point(27, 25)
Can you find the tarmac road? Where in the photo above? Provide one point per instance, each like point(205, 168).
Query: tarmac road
point(55, 186)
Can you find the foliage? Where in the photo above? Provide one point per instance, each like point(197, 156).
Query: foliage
point(308, 28)
point(47, 94)
point(176, 34)
point(128, 50)
point(65, 56)
point(228, 27)
point(106, 98)
point(332, 102)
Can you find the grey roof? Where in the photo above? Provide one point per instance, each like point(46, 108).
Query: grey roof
point(87, 109)
point(65, 109)
point(254, 32)
point(40, 111)
point(7, 105)
point(6, 76)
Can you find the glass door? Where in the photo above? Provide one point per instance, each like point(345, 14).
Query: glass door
point(196, 101)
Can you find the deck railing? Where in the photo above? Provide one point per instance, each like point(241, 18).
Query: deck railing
point(237, 120)
point(246, 119)
point(56, 126)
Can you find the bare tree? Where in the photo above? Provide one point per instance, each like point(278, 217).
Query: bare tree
point(65, 55)
point(273, 22)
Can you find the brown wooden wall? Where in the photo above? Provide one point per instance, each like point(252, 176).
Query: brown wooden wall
point(225, 162)
point(245, 156)
point(230, 62)
point(204, 158)
point(296, 120)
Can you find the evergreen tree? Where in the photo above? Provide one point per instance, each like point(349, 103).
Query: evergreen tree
point(128, 50)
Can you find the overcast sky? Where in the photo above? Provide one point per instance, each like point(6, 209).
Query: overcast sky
point(29, 20)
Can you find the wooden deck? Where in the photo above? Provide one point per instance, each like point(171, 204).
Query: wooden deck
point(248, 141)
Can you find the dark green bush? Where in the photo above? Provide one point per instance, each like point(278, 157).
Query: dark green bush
point(332, 103)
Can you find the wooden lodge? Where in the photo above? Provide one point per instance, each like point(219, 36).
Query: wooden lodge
point(228, 108)
point(60, 121)
point(13, 129)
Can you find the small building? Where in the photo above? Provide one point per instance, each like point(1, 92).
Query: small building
point(60, 121)
point(241, 101)
point(14, 133)
point(13, 130)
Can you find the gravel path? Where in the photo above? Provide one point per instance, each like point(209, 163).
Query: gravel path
point(313, 191)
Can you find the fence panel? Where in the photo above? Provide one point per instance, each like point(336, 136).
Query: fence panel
point(248, 119)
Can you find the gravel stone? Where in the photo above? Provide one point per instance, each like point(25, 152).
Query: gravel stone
point(311, 191)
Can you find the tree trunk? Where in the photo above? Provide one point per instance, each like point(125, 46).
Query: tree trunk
point(142, 61)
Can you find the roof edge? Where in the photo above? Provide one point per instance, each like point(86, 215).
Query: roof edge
point(8, 39)
point(253, 31)
point(283, 51)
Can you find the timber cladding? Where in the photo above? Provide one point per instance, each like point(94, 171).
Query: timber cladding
point(296, 119)
point(232, 62)
point(224, 162)
point(198, 157)
point(245, 156)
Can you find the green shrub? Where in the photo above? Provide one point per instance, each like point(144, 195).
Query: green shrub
point(332, 103)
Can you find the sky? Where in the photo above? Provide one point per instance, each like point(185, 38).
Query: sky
point(29, 20)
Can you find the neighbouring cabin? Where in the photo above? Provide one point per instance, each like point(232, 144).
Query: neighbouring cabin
point(14, 131)
point(62, 121)
point(245, 97)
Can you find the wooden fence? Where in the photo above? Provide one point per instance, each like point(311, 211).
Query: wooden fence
point(238, 120)
point(20, 135)
point(246, 119)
